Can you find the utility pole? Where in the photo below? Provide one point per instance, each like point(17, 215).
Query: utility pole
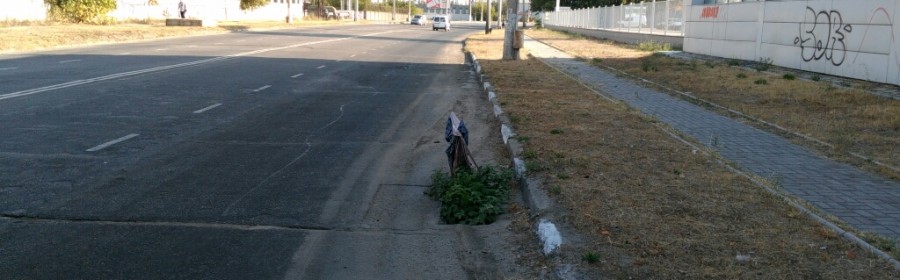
point(499, 14)
point(356, 11)
point(487, 22)
point(288, 17)
point(510, 52)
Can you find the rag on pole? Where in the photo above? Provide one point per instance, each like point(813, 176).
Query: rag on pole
point(458, 153)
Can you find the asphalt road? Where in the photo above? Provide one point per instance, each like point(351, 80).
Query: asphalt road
point(284, 154)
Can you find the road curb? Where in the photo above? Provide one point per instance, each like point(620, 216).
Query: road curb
point(537, 201)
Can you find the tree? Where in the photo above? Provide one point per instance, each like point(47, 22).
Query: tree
point(81, 11)
point(253, 4)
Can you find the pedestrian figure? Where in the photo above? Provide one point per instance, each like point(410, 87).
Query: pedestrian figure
point(182, 8)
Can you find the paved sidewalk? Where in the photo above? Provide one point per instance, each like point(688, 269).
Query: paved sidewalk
point(865, 201)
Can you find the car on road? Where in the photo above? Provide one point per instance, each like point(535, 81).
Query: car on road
point(418, 20)
point(440, 22)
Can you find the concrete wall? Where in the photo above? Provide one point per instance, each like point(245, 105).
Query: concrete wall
point(23, 10)
point(625, 37)
point(847, 38)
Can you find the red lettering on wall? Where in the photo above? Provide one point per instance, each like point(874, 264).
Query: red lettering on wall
point(710, 12)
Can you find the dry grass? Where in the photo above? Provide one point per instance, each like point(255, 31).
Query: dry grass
point(647, 205)
point(850, 118)
point(30, 36)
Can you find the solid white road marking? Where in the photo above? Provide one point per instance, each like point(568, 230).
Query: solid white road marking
point(298, 75)
point(320, 67)
point(113, 142)
point(69, 61)
point(168, 67)
point(262, 88)
point(210, 107)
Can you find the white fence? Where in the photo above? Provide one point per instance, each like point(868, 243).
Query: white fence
point(385, 16)
point(655, 17)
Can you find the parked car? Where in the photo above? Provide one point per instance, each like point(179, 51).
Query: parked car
point(323, 12)
point(633, 20)
point(440, 22)
point(418, 20)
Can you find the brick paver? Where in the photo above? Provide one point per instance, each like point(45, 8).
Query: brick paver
point(863, 200)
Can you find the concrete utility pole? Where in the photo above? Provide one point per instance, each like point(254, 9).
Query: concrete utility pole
point(355, 11)
point(499, 14)
point(510, 52)
point(487, 22)
point(288, 17)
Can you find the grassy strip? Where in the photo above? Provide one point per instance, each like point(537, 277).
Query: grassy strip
point(648, 206)
point(30, 36)
point(845, 115)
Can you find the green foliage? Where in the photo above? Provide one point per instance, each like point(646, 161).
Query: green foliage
point(81, 11)
point(556, 131)
point(478, 9)
point(734, 62)
point(471, 197)
point(649, 64)
point(763, 64)
point(741, 76)
point(591, 257)
point(761, 82)
point(788, 76)
point(653, 46)
point(253, 4)
point(816, 78)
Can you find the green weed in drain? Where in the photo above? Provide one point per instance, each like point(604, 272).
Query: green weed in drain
point(471, 197)
point(591, 257)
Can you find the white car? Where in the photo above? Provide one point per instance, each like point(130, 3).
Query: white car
point(418, 20)
point(440, 22)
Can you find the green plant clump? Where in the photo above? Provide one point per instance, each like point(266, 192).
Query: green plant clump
point(651, 46)
point(761, 82)
point(591, 257)
point(469, 197)
point(763, 64)
point(788, 76)
point(741, 76)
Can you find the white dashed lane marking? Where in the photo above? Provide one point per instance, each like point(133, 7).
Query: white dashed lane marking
point(207, 108)
point(69, 61)
point(320, 67)
point(8, 68)
point(113, 142)
point(298, 75)
point(262, 88)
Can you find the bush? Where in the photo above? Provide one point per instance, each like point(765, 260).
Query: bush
point(471, 197)
point(652, 46)
point(81, 11)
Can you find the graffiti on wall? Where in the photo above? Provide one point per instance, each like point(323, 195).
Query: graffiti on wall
point(710, 12)
point(824, 37)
